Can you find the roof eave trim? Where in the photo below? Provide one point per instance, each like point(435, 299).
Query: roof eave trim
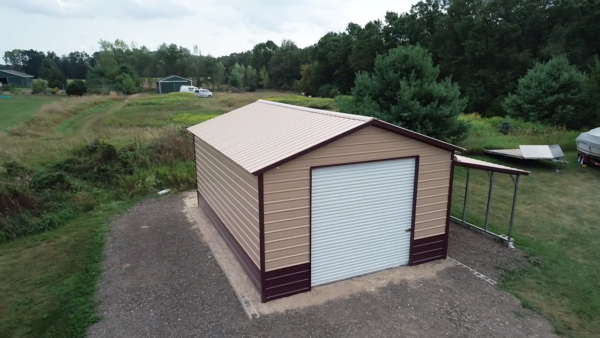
point(494, 169)
point(414, 135)
point(309, 149)
point(375, 123)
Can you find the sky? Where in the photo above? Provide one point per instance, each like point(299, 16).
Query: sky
point(217, 27)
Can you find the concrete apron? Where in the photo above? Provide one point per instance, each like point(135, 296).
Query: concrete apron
point(250, 299)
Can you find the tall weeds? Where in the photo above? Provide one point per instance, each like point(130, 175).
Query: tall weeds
point(41, 199)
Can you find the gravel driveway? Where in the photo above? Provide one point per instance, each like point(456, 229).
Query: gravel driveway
point(160, 280)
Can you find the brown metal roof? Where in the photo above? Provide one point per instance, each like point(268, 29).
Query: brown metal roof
point(265, 134)
point(483, 165)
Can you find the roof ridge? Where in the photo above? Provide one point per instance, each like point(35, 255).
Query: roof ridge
point(320, 111)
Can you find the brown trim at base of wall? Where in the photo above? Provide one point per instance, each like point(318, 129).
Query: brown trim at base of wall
point(428, 249)
point(286, 282)
point(252, 271)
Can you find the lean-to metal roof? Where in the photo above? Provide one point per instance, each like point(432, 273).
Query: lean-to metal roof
point(467, 162)
point(15, 73)
point(266, 134)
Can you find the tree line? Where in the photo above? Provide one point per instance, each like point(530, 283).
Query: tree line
point(485, 47)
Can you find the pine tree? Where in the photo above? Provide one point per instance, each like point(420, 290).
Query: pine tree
point(404, 90)
point(551, 93)
point(264, 77)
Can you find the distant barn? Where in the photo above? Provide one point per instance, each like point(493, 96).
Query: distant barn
point(171, 84)
point(15, 78)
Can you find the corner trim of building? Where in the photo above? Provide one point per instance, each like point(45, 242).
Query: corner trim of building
point(414, 211)
point(195, 167)
point(449, 206)
point(261, 230)
point(251, 270)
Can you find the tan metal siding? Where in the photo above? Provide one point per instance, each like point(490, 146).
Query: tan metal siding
point(287, 190)
point(232, 193)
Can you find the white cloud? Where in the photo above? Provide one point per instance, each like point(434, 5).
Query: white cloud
point(140, 9)
point(218, 27)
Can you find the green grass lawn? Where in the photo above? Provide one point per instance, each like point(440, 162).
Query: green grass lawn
point(556, 224)
point(20, 108)
point(47, 280)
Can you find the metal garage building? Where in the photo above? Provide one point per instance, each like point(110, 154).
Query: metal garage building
point(15, 78)
point(171, 84)
point(305, 197)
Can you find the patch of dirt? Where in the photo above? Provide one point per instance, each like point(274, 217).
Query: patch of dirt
point(483, 253)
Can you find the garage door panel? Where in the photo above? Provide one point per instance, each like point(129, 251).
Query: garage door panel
point(360, 214)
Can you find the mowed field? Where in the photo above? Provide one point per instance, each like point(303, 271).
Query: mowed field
point(47, 278)
point(20, 108)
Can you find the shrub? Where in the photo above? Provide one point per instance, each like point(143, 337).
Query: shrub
point(39, 86)
point(552, 93)
point(7, 87)
point(50, 180)
point(76, 88)
point(505, 127)
point(325, 90)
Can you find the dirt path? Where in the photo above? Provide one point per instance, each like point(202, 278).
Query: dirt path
point(161, 280)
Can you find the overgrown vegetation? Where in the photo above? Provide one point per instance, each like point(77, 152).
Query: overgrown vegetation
point(310, 102)
point(33, 201)
point(508, 133)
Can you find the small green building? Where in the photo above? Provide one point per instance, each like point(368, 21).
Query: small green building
point(171, 84)
point(15, 78)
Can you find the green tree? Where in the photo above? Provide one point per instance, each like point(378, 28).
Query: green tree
point(218, 75)
point(49, 71)
point(404, 90)
point(251, 79)
point(236, 76)
point(263, 76)
point(310, 81)
point(551, 93)
point(128, 84)
point(284, 65)
point(593, 92)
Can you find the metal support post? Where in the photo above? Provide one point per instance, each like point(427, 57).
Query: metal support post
point(514, 204)
point(489, 201)
point(466, 196)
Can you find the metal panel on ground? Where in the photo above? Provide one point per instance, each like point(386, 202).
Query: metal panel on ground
point(361, 216)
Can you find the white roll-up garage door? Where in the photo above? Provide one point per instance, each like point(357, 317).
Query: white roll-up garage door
point(360, 214)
